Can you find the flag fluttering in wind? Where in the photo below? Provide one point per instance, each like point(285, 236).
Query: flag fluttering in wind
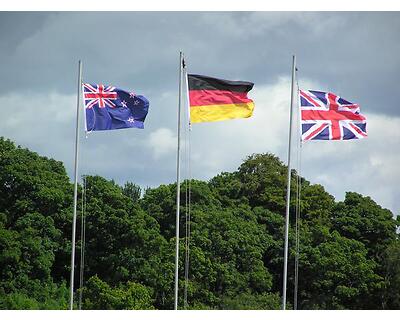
point(110, 108)
point(213, 99)
point(326, 116)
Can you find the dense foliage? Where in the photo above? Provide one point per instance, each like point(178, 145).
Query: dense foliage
point(349, 250)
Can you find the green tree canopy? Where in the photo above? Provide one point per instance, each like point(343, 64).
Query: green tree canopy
point(349, 250)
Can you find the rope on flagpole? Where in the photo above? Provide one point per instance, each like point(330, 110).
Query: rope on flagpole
point(298, 206)
point(186, 210)
point(83, 238)
point(297, 230)
point(188, 200)
point(188, 219)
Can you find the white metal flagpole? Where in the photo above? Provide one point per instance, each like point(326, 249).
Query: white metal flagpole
point(285, 258)
point(71, 298)
point(178, 180)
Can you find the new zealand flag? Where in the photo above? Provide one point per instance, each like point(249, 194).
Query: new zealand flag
point(110, 108)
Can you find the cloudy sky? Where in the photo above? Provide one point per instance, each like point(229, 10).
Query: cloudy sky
point(355, 55)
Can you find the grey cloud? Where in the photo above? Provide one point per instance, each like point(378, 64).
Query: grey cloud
point(352, 54)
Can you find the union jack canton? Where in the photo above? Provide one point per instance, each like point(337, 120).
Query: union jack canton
point(326, 116)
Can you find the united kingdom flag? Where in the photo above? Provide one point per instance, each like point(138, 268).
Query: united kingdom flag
point(326, 116)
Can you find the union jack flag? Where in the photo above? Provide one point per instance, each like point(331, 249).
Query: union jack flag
point(99, 95)
point(326, 116)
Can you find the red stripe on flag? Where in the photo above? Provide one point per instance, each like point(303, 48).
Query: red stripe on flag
point(330, 115)
point(357, 129)
point(213, 97)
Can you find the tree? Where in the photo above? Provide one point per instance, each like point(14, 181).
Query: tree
point(98, 295)
point(263, 181)
point(160, 203)
point(132, 191)
point(227, 256)
point(246, 301)
point(360, 218)
point(26, 259)
point(391, 264)
point(336, 274)
point(30, 183)
point(349, 250)
point(33, 184)
point(123, 243)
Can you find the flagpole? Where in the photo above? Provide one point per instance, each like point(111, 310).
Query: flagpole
point(178, 182)
point(71, 299)
point(285, 258)
point(83, 236)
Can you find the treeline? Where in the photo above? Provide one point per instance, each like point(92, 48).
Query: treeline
point(349, 250)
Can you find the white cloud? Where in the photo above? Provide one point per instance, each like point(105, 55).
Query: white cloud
point(253, 46)
point(225, 144)
point(39, 121)
point(162, 142)
point(46, 123)
point(368, 166)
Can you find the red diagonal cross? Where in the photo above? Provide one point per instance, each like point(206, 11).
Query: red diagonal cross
point(333, 114)
point(100, 95)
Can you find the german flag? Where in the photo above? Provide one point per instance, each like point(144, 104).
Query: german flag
point(213, 99)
